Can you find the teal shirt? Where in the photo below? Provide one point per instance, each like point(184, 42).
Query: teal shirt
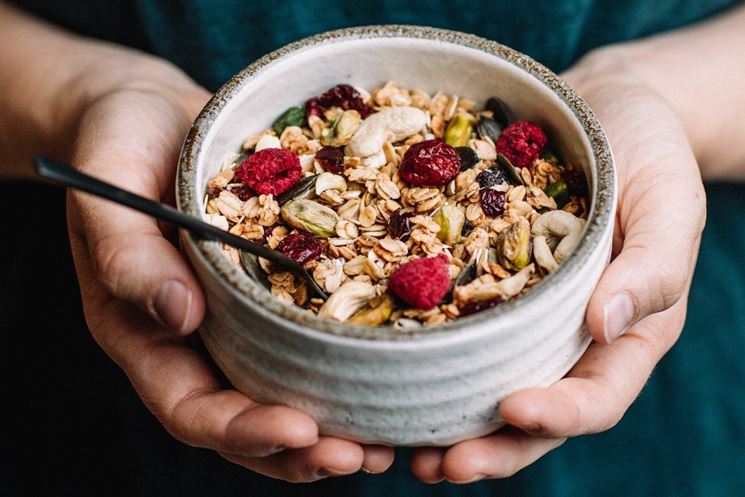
point(685, 435)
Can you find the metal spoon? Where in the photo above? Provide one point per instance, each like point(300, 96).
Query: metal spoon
point(65, 175)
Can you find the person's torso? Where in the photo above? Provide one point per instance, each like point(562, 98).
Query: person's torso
point(211, 40)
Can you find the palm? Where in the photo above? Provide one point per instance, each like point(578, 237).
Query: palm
point(658, 224)
point(132, 138)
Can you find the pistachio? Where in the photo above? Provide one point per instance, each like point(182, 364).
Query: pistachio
point(451, 218)
point(310, 216)
point(301, 189)
point(559, 192)
point(513, 245)
point(330, 181)
point(488, 128)
point(294, 116)
point(374, 316)
point(342, 129)
point(512, 173)
point(459, 130)
point(348, 299)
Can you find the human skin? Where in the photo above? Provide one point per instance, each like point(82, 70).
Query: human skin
point(121, 115)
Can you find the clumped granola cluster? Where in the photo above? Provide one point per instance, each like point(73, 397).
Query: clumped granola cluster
point(407, 208)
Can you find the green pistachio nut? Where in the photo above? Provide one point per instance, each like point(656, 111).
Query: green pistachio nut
point(451, 218)
point(459, 130)
point(513, 245)
point(310, 216)
point(294, 116)
point(338, 133)
point(559, 191)
point(374, 316)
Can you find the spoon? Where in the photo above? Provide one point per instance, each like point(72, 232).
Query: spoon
point(65, 175)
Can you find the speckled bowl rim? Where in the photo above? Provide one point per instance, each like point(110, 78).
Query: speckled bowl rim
point(600, 216)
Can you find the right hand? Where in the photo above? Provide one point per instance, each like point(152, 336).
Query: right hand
point(141, 299)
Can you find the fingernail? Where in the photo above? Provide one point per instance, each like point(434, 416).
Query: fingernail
point(476, 478)
point(172, 304)
point(326, 472)
point(617, 315)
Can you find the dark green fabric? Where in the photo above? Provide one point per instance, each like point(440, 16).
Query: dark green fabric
point(685, 435)
point(212, 40)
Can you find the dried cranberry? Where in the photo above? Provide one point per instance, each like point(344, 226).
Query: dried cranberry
point(399, 225)
point(301, 247)
point(522, 142)
point(344, 96)
point(492, 202)
point(576, 181)
point(491, 177)
point(241, 190)
point(429, 163)
point(479, 305)
point(272, 170)
point(331, 159)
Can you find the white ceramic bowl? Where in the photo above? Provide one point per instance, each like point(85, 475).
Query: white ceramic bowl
point(443, 383)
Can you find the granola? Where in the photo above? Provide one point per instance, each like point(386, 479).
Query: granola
point(489, 195)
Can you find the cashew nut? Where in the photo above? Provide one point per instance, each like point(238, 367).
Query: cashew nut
point(562, 231)
point(509, 287)
point(330, 181)
point(543, 255)
point(392, 124)
point(267, 141)
point(348, 299)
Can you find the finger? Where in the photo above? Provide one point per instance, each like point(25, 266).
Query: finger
point(661, 237)
point(601, 387)
point(178, 386)
point(132, 258)
point(329, 457)
point(426, 464)
point(500, 455)
point(377, 458)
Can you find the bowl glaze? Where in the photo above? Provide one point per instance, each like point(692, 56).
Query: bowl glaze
point(440, 384)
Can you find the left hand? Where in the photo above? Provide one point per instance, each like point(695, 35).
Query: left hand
point(638, 308)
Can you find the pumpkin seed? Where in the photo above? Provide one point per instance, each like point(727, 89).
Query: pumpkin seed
point(294, 116)
point(501, 111)
point(302, 189)
point(512, 173)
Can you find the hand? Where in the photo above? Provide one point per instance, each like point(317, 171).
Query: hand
point(141, 298)
point(637, 310)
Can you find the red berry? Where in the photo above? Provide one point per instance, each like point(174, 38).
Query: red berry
point(522, 142)
point(272, 170)
point(344, 96)
point(331, 159)
point(479, 305)
point(421, 283)
point(241, 190)
point(430, 163)
point(492, 202)
point(399, 225)
point(301, 247)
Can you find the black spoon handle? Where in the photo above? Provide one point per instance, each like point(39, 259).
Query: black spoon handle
point(65, 175)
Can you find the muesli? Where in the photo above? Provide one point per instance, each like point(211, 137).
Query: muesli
point(407, 208)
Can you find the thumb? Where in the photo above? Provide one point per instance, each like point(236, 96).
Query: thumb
point(661, 227)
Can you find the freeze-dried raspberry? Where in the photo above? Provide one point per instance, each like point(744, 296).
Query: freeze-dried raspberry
point(522, 142)
point(492, 202)
point(479, 305)
point(344, 96)
point(331, 159)
point(429, 163)
point(272, 170)
point(421, 283)
point(301, 247)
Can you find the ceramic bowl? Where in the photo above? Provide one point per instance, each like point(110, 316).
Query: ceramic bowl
point(440, 384)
